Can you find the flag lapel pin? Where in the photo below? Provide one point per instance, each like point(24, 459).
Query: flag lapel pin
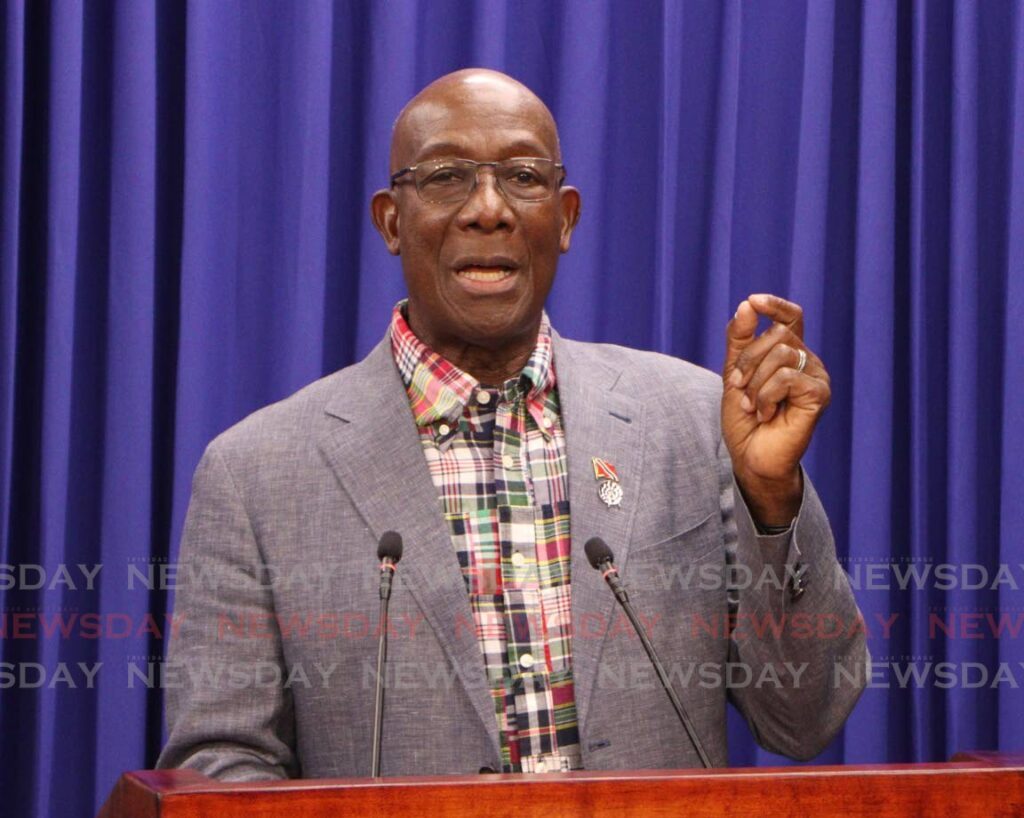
point(609, 489)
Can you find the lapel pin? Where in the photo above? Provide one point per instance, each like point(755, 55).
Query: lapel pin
point(609, 489)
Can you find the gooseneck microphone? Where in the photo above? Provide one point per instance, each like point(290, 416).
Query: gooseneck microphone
point(389, 552)
point(600, 557)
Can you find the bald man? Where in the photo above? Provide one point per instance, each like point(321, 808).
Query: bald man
point(497, 449)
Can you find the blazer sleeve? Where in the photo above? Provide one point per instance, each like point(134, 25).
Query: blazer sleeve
point(797, 626)
point(228, 714)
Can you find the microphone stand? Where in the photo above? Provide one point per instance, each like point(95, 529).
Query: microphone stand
point(389, 552)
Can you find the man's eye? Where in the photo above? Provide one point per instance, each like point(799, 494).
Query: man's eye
point(524, 176)
point(441, 177)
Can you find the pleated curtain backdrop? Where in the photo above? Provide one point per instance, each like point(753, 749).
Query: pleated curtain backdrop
point(185, 236)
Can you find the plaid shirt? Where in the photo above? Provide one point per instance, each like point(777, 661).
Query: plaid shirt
point(497, 458)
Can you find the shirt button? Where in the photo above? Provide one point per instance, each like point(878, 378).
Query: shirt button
point(444, 429)
point(518, 560)
point(526, 661)
point(508, 462)
point(483, 397)
point(546, 422)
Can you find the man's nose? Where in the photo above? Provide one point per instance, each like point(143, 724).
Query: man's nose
point(486, 207)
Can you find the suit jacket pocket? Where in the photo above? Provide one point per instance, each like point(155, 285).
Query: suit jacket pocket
point(694, 543)
point(689, 561)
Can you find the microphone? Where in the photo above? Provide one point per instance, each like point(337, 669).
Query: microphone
point(600, 557)
point(389, 552)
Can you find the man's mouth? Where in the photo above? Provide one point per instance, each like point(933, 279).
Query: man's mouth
point(482, 273)
point(486, 273)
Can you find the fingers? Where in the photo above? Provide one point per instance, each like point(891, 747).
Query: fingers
point(780, 355)
point(780, 310)
point(739, 333)
point(744, 348)
point(787, 386)
point(762, 369)
point(751, 356)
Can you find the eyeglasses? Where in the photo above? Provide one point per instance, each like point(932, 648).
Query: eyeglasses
point(447, 181)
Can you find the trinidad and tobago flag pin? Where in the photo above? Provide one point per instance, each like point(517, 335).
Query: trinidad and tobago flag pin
point(609, 489)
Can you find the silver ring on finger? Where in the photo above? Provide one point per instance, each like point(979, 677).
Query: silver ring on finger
point(801, 363)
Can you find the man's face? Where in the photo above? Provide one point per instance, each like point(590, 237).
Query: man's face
point(479, 271)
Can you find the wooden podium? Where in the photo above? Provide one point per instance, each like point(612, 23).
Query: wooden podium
point(973, 784)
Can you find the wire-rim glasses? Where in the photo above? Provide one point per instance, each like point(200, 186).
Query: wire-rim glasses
point(447, 181)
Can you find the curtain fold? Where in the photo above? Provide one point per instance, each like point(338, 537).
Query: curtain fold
point(1011, 413)
point(185, 237)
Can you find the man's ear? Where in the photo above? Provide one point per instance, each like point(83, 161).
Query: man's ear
point(384, 212)
point(569, 201)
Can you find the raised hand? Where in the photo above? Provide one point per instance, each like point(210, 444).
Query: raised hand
point(775, 389)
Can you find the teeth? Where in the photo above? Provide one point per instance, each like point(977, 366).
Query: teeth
point(485, 273)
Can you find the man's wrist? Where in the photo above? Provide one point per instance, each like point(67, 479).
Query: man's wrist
point(773, 504)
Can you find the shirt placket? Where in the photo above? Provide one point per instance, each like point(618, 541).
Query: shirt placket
point(558, 748)
point(527, 669)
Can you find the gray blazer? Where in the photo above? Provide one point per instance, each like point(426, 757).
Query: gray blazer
point(271, 669)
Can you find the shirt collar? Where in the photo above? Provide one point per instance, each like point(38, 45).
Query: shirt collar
point(440, 391)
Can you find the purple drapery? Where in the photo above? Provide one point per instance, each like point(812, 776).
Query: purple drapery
point(184, 236)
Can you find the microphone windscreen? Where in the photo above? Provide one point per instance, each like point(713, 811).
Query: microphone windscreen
point(597, 552)
point(390, 546)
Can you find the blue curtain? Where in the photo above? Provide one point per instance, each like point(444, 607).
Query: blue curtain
point(184, 237)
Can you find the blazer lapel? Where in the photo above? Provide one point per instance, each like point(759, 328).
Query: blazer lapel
point(598, 423)
point(375, 452)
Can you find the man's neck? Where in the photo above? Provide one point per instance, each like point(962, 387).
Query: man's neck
point(491, 367)
point(489, 363)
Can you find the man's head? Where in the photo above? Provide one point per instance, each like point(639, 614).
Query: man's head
point(478, 270)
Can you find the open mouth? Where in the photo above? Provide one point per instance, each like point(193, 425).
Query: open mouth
point(482, 273)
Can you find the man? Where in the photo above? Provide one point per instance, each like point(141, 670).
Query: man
point(497, 448)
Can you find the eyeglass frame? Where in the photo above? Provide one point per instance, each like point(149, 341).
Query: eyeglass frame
point(476, 176)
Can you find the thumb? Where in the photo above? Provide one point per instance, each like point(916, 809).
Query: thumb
point(739, 334)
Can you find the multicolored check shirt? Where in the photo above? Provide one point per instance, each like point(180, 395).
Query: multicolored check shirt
point(497, 457)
